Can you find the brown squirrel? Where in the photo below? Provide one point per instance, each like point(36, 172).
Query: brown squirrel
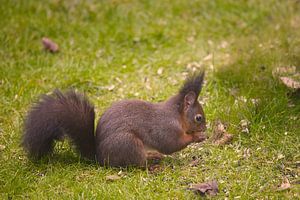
point(126, 130)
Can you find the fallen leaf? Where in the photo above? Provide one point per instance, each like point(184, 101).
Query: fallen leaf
point(255, 101)
point(223, 45)
point(160, 71)
point(295, 22)
point(218, 130)
point(118, 80)
point(120, 173)
point(220, 135)
point(288, 75)
point(193, 65)
point(234, 92)
point(290, 82)
point(194, 163)
point(208, 188)
point(280, 156)
point(226, 139)
point(155, 168)
point(208, 57)
point(49, 45)
point(2, 147)
point(284, 185)
point(247, 153)
point(172, 81)
point(112, 177)
point(191, 39)
point(111, 87)
point(245, 125)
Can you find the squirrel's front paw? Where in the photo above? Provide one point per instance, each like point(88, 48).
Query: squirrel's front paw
point(199, 137)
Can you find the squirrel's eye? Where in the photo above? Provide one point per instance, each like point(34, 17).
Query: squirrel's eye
point(198, 118)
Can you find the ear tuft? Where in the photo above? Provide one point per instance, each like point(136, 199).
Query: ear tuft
point(192, 84)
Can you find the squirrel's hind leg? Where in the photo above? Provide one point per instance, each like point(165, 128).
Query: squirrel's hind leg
point(121, 150)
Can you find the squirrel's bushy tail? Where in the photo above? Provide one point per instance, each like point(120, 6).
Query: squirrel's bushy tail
point(58, 115)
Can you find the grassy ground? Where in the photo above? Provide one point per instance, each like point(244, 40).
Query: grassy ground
point(121, 44)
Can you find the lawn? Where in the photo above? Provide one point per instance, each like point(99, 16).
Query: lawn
point(124, 49)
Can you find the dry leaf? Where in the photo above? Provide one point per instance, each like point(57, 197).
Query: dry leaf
point(218, 130)
point(2, 147)
point(118, 80)
point(111, 87)
point(223, 45)
point(220, 135)
point(247, 153)
point(172, 81)
point(280, 156)
point(194, 163)
point(245, 125)
point(209, 188)
point(284, 185)
point(208, 57)
point(155, 168)
point(112, 177)
point(191, 39)
point(160, 71)
point(226, 139)
point(49, 45)
point(193, 65)
point(121, 173)
point(290, 82)
point(288, 76)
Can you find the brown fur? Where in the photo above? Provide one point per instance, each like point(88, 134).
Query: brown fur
point(56, 116)
point(126, 130)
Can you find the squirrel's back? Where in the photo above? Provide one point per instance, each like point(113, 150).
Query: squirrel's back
point(150, 122)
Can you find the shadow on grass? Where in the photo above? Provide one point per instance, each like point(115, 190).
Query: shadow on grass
point(63, 158)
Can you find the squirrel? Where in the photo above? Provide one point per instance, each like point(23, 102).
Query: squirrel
point(125, 132)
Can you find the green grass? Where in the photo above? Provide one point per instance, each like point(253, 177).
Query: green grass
point(123, 43)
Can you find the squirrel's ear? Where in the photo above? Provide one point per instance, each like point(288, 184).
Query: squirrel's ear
point(189, 99)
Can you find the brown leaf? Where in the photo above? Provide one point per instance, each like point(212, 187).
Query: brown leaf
point(2, 147)
point(155, 168)
point(218, 130)
point(247, 153)
point(111, 87)
point(288, 75)
point(112, 177)
point(194, 163)
point(208, 188)
point(284, 185)
point(290, 82)
point(49, 45)
point(160, 71)
point(244, 124)
point(208, 57)
point(226, 139)
point(220, 135)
